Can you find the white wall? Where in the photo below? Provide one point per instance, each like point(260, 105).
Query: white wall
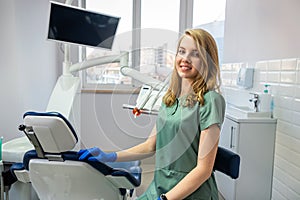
point(264, 34)
point(28, 68)
point(261, 30)
point(107, 125)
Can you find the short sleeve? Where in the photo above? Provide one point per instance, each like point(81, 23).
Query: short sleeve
point(213, 110)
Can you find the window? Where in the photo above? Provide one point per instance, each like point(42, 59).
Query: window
point(208, 11)
point(159, 34)
point(109, 74)
point(210, 15)
point(152, 46)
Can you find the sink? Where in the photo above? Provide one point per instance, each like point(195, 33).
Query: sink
point(246, 112)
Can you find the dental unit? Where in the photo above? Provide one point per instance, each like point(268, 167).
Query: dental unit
point(64, 100)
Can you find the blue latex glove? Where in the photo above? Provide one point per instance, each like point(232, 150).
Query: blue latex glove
point(96, 154)
point(158, 198)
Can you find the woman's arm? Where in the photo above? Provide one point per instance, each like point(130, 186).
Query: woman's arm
point(208, 147)
point(140, 151)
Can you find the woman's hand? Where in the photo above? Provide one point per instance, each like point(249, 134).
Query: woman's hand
point(96, 154)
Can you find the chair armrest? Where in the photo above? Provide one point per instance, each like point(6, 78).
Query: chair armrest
point(227, 162)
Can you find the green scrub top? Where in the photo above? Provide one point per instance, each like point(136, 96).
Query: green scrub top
point(177, 140)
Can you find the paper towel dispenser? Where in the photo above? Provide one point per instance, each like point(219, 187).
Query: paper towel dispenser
point(245, 77)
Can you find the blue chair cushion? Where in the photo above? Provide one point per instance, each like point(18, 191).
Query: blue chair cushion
point(130, 170)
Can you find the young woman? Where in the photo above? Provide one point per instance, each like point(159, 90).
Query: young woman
point(185, 138)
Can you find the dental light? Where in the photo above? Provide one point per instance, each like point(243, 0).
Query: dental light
point(64, 96)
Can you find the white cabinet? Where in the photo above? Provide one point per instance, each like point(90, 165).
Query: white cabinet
point(254, 140)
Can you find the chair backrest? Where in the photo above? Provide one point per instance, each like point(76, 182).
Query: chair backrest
point(50, 132)
point(227, 162)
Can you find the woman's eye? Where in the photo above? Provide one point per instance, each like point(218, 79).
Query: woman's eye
point(192, 53)
point(181, 51)
point(195, 54)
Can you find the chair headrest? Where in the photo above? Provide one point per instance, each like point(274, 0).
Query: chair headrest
point(53, 131)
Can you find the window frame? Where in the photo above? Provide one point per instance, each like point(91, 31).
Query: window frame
point(185, 21)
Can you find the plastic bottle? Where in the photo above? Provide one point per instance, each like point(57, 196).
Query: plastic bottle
point(272, 107)
point(265, 100)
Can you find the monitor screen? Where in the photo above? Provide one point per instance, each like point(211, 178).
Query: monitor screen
point(79, 26)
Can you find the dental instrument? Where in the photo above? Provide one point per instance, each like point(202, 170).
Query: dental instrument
point(150, 95)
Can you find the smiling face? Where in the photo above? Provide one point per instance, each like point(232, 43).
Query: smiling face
point(196, 67)
point(188, 59)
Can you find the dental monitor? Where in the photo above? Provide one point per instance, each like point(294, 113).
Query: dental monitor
point(79, 26)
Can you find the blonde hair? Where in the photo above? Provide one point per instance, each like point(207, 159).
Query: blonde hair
point(208, 77)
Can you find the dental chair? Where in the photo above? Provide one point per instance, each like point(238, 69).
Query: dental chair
point(56, 172)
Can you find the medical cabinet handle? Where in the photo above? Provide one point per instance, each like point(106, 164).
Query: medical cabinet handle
point(232, 132)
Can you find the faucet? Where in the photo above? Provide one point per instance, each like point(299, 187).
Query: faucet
point(255, 100)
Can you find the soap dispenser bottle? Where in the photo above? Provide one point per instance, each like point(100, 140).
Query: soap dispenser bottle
point(265, 99)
